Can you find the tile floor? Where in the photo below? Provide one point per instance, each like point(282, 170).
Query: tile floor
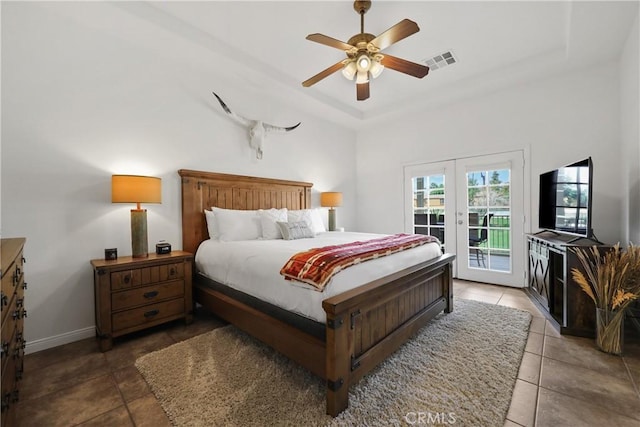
point(563, 381)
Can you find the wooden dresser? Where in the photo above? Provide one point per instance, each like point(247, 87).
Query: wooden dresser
point(13, 313)
point(135, 293)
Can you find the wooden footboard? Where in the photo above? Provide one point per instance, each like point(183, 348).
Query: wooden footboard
point(367, 324)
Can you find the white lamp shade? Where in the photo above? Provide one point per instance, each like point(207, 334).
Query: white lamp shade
point(362, 77)
point(364, 62)
point(376, 68)
point(349, 70)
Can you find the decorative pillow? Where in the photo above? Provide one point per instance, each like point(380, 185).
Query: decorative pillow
point(295, 230)
point(237, 224)
point(268, 219)
point(212, 226)
point(310, 216)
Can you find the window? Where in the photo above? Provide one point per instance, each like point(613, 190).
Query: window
point(428, 206)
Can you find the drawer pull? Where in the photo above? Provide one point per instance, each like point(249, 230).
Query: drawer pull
point(5, 348)
point(4, 299)
point(151, 313)
point(24, 285)
point(20, 302)
point(172, 271)
point(127, 279)
point(152, 294)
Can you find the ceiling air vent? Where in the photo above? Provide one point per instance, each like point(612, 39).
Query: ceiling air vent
point(441, 61)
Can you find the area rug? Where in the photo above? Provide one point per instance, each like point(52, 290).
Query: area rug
point(459, 369)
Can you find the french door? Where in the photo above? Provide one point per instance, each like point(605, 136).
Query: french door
point(475, 206)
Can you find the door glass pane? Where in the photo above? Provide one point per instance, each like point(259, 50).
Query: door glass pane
point(428, 205)
point(489, 221)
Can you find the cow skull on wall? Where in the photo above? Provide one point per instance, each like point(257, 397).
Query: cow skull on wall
point(257, 128)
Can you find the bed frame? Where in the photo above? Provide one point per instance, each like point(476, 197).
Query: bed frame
point(363, 326)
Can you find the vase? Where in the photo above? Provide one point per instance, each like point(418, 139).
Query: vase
point(609, 330)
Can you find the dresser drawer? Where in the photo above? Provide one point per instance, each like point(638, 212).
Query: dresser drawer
point(147, 314)
point(9, 393)
point(8, 342)
point(12, 277)
point(146, 295)
point(126, 279)
point(9, 325)
point(12, 360)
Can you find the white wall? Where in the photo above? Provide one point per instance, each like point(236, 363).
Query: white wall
point(89, 90)
point(562, 119)
point(630, 133)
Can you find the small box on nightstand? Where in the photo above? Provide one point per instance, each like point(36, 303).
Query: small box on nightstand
point(163, 248)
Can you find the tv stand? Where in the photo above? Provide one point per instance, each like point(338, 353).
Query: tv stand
point(551, 283)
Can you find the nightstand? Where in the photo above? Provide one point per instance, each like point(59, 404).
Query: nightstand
point(132, 294)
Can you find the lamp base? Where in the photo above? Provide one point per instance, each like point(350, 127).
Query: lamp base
point(139, 241)
point(332, 219)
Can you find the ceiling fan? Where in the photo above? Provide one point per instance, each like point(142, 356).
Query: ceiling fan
point(364, 60)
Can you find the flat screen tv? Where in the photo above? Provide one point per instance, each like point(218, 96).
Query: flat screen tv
point(566, 199)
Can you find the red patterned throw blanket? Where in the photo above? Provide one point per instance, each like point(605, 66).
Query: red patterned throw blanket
point(317, 266)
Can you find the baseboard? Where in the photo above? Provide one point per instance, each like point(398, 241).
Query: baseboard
point(55, 341)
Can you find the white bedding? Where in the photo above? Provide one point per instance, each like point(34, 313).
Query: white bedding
point(253, 267)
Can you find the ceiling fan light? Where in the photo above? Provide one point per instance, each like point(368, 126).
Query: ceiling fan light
point(376, 69)
point(363, 77)
point(349, 70)
point(364, 63)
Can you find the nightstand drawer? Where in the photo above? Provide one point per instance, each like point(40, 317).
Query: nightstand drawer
point(144, 276)
point(146, 295)
point(125, 279)
point(147, 314)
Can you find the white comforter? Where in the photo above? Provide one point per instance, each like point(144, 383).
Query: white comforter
point(253, 267)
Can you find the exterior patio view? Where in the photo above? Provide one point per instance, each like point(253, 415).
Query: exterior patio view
point(489, 216)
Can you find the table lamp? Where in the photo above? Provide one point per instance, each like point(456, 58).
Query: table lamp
point(137, 189)
point(331, 199)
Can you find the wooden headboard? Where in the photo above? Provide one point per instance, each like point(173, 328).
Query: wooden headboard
point(202, 190)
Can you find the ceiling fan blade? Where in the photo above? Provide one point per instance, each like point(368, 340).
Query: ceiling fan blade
point(329, 41)
point(404, 66)
point(401, 30)
point(362, 91)
point(322, 74)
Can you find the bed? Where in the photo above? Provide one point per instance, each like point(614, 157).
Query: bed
point(362, 327)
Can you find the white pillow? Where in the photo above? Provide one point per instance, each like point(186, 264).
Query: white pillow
point(310, 216)
point(268, 220)
point(295, 230)
point(237, 224)
point(212, 226)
